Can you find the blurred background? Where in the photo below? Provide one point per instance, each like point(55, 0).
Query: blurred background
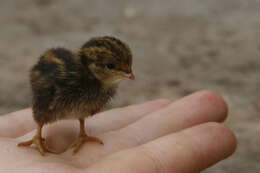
point(179, 47)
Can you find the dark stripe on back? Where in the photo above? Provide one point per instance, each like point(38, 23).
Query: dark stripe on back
point(47, 69)
point(63, 54)
point(66, 56)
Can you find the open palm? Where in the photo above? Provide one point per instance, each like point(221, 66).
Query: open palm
point(154, 137)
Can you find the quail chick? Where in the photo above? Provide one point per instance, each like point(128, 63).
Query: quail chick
point(75, 86)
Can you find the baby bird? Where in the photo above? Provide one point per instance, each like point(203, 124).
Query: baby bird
point(75, 86)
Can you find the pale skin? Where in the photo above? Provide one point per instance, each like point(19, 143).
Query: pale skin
point(160, 136)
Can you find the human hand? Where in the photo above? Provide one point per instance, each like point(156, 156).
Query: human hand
point(154, 137)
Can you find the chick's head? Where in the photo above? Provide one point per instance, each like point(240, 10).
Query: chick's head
point(108, 58)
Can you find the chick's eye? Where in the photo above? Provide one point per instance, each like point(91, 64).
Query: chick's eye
point(110, 66)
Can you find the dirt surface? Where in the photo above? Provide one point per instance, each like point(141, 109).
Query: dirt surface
point(179, 47)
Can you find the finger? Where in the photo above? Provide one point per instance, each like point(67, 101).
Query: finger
point(195, 109)
point(16, 123)
point(19, 123)
point(191, 150)
point(120, 117)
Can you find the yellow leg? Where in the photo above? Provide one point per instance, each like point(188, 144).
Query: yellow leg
point(38, 141)
point(83, 138)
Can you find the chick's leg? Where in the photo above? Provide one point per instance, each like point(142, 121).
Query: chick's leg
point(37, 140)
point(83, 137)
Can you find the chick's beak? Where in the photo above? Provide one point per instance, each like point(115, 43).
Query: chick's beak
point(130, 76)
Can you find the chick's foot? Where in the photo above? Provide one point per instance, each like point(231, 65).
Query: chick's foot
point(83, 139)
point(38, 142)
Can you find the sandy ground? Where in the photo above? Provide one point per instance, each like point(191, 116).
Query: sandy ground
point(179, 47)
